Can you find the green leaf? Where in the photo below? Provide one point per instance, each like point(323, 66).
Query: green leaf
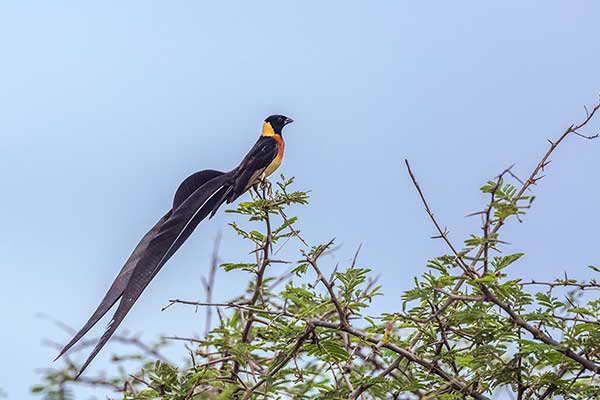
point(500, 263)
point(250, 267)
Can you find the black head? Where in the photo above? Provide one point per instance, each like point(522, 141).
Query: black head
point(277, 122)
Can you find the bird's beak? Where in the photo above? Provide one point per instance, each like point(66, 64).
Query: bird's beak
point(288, 121)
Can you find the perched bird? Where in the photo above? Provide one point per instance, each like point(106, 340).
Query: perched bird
point(198, 196)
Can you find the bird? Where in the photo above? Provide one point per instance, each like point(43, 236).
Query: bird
point(198, 196)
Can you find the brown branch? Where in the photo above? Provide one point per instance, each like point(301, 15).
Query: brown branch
point(429, 366)
point(387, 371)
point(469, 270)
point(537, 333)
point(307, 331)
point(459, 296)
point(582, 286)
point(443, 233)
point(552, 387)
point(263, 263)
point(544, 161)
point(226, 305)
point(312, 260)
point(292, 230)
point(525, 186)
point(488, 219)
point(184, 339)
point(210, 283)
point(215, 361)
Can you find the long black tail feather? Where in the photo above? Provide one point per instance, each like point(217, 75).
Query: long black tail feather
point(191, 183)
point(118, 286)
point(170, 236)
point(196, 201)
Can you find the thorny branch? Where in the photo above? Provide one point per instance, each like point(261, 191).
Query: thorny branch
point(427, 353)
point(262, 262)
point(489, 296)
point(469, 270)
point(312, 260)
point(209, 283)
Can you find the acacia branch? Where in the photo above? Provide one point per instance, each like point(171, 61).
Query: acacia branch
point(210, 282)
point(531, 180)
point(226, 305)
point(262, 267)
point(429, 366)
point(443, 233)
point(312, 260)
point(582, 286)
point(535, 332)
point(307, 331)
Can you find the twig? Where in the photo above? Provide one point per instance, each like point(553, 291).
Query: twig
point(443, 233)
point(210, 282)
point(459, 296)
point(387, 371)
point(454, 381)
point(291, 226)
point(226, 305)
point(582, 286)
point(535, 332)
point(263, 263)
point(307, 331)
point(312, 260)
point(531, 180)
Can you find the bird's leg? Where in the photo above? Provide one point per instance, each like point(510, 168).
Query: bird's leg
point(265, 185)
point(255, 187)
point(269, 187)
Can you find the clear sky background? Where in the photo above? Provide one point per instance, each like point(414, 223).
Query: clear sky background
point(105, 108)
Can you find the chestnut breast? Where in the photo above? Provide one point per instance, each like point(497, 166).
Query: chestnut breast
point(278, 158)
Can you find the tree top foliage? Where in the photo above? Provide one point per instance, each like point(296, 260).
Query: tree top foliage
point(469, 327)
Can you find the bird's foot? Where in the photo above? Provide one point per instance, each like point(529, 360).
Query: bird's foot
point(266, 186)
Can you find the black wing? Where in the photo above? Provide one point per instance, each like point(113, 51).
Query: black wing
point(258, 158)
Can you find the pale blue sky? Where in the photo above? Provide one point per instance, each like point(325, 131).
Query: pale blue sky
point(105, 108)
